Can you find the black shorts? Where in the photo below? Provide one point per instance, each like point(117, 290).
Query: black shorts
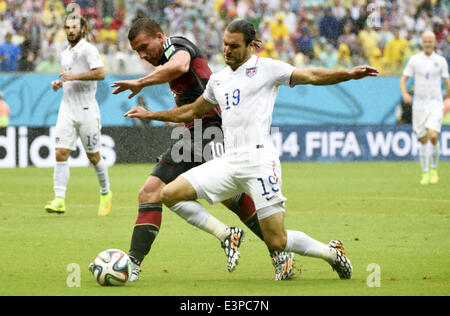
point(185, 155)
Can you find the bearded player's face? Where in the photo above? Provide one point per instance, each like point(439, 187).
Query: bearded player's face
point(73, 31)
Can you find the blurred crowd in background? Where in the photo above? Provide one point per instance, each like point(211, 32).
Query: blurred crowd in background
point(306, 33)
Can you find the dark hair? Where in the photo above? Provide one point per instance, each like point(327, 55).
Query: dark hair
point(149, 26)
point(246, 28)
point(83, 22)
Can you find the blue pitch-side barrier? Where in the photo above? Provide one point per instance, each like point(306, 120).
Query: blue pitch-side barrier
point(370, 101)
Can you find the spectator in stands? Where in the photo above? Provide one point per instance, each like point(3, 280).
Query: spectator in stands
point(278, 30)
point(118, 21)
point(19, 37)
point(269, 51)
point(205, 19)
point(395, 51)
point(329, 57)
point(9, 55)
point(59, 33)
point(6, 27)
point(3, 5)
point(50, 47)
point(107, 32)
point(49, 66)
point(50, 14)
point(426, 6)
point(4, 112)
point(385, 35)
point(109, 8)
point(329, 26)
point(368, 39)
point(357, 15)
point(339, 11)
point(304, 42)
point(349, 38)
point(27, 62)
point(35, 30)
point(344, 57)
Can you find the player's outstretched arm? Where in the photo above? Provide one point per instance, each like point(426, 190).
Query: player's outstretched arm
point(185, 113)
point(322, 76)
point(174, 68)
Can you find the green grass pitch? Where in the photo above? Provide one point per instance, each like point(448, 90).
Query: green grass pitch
point(380, 212)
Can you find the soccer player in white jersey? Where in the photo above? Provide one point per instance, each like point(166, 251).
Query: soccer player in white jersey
point(246, 91)
point(428, 69)
point(79, 114)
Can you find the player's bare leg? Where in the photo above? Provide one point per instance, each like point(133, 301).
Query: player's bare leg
point(101, 172)
point(180, 197)
point(61, 175)
point(278, 238)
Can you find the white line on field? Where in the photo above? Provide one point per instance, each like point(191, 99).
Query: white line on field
point(397, 199)
point(74, 205)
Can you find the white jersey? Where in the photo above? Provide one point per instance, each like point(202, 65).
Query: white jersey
point(246, 98)
point(427, 72)
point(80, 59)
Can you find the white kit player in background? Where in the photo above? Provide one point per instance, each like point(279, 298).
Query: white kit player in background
point(246, 91)
point(427, 69)
point(79, 114)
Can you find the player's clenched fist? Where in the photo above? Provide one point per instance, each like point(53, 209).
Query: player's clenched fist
point(56, 85)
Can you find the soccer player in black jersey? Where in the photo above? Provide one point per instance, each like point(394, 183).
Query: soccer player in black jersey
point(183, 66)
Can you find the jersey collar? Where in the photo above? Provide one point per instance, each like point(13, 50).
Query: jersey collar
point(78, 44)
point(251, 62)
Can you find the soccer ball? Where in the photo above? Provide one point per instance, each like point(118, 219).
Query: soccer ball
point(111, 267)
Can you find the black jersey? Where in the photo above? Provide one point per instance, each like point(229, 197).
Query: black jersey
point(188, 87)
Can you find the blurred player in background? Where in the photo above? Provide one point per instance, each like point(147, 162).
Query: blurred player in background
point(427, 69)
point(246, 91)
point(182, 66)
point(79, 114)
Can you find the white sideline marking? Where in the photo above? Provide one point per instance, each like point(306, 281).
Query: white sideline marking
point(397, 199)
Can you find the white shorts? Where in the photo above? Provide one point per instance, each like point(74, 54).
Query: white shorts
point(222, 178)
point(84, 124)
point(425, 119)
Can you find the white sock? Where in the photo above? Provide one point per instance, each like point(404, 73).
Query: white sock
point(61, 175)
point(304, 245)
point(434, 156)
point(424, 157)
point(195, 214)
point(101, 171)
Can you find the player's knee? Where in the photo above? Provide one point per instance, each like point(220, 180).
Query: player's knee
point(149, 195)
point(433, 136)
point(276, 241)
point(168, 196)
point(62, 154)
point(94, 158)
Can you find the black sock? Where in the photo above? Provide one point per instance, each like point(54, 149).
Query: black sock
point(141, 242)
point(145, 231)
